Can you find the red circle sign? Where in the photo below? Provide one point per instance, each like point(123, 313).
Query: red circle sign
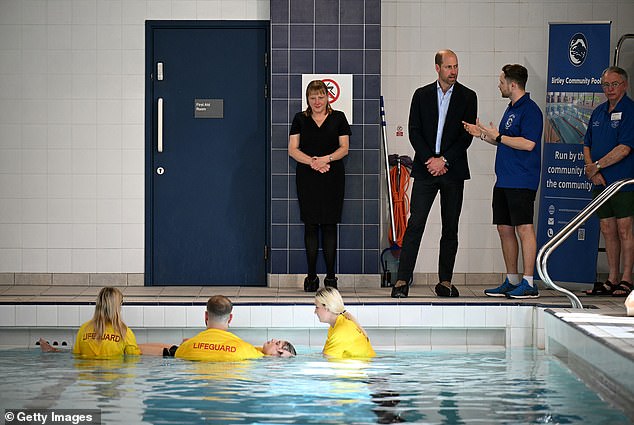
point(333, 89)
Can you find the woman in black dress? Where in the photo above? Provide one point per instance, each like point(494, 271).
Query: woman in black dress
point(318, 141)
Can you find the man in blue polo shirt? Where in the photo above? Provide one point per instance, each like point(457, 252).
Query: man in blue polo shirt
point(607, 153)
point(517, 167)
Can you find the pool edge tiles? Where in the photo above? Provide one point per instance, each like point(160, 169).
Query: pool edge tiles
point(423, 326)
point(602, 361)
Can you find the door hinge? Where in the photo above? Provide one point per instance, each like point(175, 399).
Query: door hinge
point(266, 91)
point(266, 253)
point(266, 60)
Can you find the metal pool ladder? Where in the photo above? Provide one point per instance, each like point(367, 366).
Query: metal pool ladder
point(562, 235)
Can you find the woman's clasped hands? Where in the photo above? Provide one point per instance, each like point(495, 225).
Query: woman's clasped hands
point(319, 163)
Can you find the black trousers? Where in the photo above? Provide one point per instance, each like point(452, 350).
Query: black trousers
point(422, 197)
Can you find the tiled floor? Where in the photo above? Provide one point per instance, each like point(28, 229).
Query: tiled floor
point(469, 294)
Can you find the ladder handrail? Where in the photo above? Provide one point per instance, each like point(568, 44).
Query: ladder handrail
point(562, 235)
point(619, 44)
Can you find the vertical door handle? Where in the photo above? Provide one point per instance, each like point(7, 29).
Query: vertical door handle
point(159, 137)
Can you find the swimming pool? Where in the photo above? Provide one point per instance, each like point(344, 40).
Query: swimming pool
point(440, 387)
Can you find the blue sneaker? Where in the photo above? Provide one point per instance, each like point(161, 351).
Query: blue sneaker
point(501, 290)
point(524, 290)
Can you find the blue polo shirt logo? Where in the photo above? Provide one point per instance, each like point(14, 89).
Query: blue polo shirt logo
point(615, 123)
point(596, 123)
point(509, 121)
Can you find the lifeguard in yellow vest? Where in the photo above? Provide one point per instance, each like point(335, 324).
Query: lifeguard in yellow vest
point(106, 335)
point(216, 343)
point(346, 337)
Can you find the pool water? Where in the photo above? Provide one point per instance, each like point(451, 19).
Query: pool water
point(433, 387)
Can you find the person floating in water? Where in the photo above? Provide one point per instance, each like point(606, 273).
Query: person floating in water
point(216, 343)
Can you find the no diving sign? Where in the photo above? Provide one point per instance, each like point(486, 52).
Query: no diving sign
point(339, 91)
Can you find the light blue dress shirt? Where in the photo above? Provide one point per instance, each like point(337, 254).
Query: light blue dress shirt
point(443, 105)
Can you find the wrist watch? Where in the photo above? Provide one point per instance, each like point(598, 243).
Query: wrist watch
point(598, 165)
point(329, 158)
point(445, 160)
point(499, 138)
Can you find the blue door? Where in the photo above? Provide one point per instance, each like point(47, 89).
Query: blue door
point(206, 153)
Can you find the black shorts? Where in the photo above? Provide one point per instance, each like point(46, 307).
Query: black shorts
point(513, 207)
point(620, 205)
point(169, 352)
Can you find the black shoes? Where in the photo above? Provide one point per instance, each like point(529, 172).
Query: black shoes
point(400, 291)
point(330, 282)
point(311, 285)
point(442, 291)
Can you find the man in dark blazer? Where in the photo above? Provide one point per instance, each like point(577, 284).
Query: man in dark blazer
point(440, 141)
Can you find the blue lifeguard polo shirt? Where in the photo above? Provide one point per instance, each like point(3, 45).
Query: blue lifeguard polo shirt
point(605, 131)
point(514, 168)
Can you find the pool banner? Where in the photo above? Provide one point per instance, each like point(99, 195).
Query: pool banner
point(577, 55)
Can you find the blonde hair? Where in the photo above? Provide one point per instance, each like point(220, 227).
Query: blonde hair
point(108, 312)
point(331, 300)
point(316, 86)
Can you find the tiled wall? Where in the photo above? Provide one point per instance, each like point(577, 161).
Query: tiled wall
point(486, 35)
point(71, 129)
point(71, 111)
point(389, 326)
point(332, 37)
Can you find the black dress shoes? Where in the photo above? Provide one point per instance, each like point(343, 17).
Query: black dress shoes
point(330, 282)
point(311, 285)
point(442, 291)
point(400, 291)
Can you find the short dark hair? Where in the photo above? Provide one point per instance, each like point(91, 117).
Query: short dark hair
point(219, 307)
point(616, 70)
point(441, 54)
point(516, 73)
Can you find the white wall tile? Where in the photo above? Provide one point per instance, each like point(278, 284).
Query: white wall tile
point(431, 316)
point(475, 316)
point(521, 317)
point(303, 316)
point(368, 315)
point(84, 260)
point(34, 260)
point(519, 337)
point(388, 315)
point(261, 316)
point(7, 315)
point(419, 338)
point(108, 260)
point(60, 235)
point(154, 316)
point(34, 236)
point(411, 315)
point(132, 315)
point(86, 312)
point(25, 315)
point(196, 316)
point(46, 315)
point(497, 316)
point(68, 315)
point(241, 316)
point(175, 316)
point(448, 338)
point(453, 316)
